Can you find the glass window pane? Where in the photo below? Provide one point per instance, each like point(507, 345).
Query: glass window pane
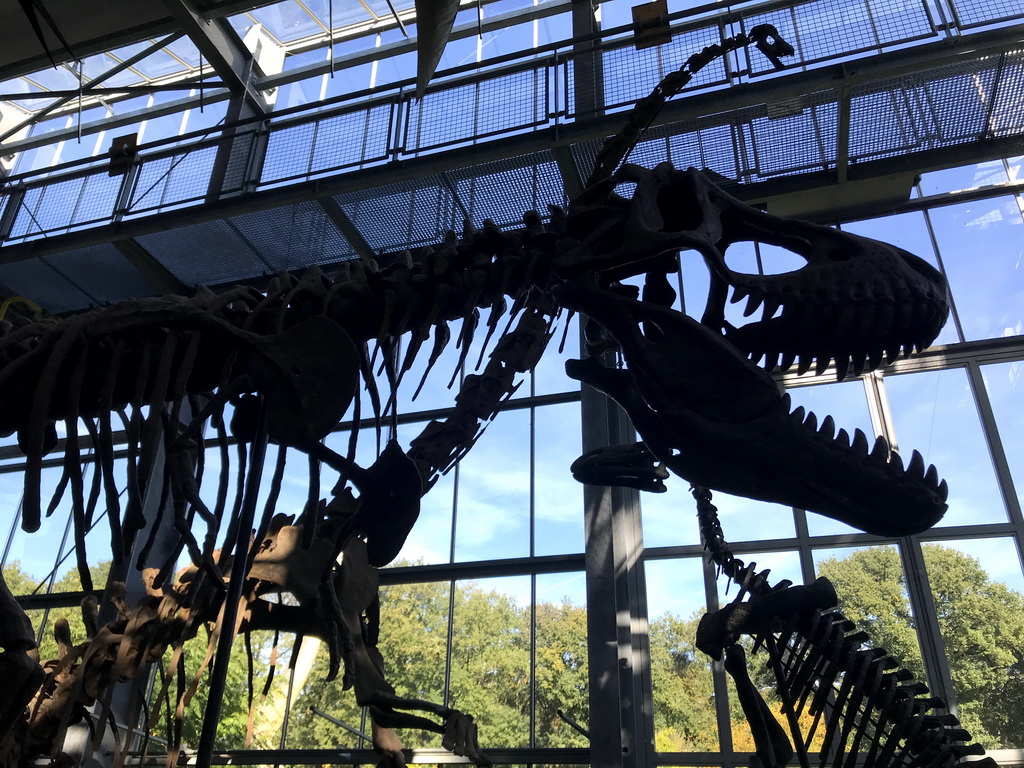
point(977, 587)
point(683, 687)
point(934, 413)
point(872, 592)
point(490, 669)
point(1004, 385)
point(964, 177)
point(493, 519)
point(558, 497)
point(562, 672)
point(980, 246)
point(846, 403)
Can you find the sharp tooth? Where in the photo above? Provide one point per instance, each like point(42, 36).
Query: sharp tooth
point(892, 354)
point(770, 361)
point(931, 477)
point(828, 427)
point(858, 361)
point(806, 361)
point(811, 422)
point(822, 364)
point(738, 295)
point(896, 461)
point(798, 414)
point(922, 344)
point(753, 302)
point(787, 361)
point(787, 401)
point(755, 357)
point(845, 321)
point(771, 306)
point(860, 441)
point(875, 359)
point(881, 448)
point(943, 490)
point(916, 467)
point(908, 348)
point(843, 438)
point(842, 367)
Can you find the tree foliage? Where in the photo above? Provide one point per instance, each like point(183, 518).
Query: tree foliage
point(488, 673)
point(981, 622)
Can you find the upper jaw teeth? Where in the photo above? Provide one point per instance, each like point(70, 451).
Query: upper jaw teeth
point(859, 335)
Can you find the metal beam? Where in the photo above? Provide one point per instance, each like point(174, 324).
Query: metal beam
point(843, 136)
point(221, 46)
point(155, 273)
point(569, 171)
point(345, 226)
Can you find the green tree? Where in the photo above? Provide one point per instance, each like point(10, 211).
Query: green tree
point(982, 625)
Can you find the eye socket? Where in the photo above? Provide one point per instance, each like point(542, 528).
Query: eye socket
point(744, 257)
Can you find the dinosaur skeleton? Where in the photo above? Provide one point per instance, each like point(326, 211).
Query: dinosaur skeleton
point(290, 360)
point(865, 703)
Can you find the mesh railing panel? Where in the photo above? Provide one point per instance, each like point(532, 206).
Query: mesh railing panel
point(102, 272)
point(954, 104)
point(505, 189)
point(629, 74)
point(37, 280)
point(332, 144)
point(974, 13)
point(462, 113)
point(173, 180)
point(56, 206)
point(404, 215)
point(294, 236)
point(98, 198)
point(207, 253)
point(795, 136)
point(824, 29)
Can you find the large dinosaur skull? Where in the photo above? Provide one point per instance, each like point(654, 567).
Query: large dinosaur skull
point(697, 400)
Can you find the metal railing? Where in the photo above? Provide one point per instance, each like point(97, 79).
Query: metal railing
point(466, 107)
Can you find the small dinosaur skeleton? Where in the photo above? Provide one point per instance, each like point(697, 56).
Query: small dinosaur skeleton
point(868, 706)
point(291, 358)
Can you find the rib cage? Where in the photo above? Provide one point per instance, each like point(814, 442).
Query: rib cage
point(868, 709)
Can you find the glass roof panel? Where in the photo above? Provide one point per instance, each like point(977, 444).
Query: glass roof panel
point(159, 64)
point(287, 21)
point(55, 78)
point(185, 50)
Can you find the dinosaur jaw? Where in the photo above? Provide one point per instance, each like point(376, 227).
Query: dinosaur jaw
point(857, 302)
point(728, 428)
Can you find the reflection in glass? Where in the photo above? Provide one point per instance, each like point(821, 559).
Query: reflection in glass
point(980, 246)
point(934, 413)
